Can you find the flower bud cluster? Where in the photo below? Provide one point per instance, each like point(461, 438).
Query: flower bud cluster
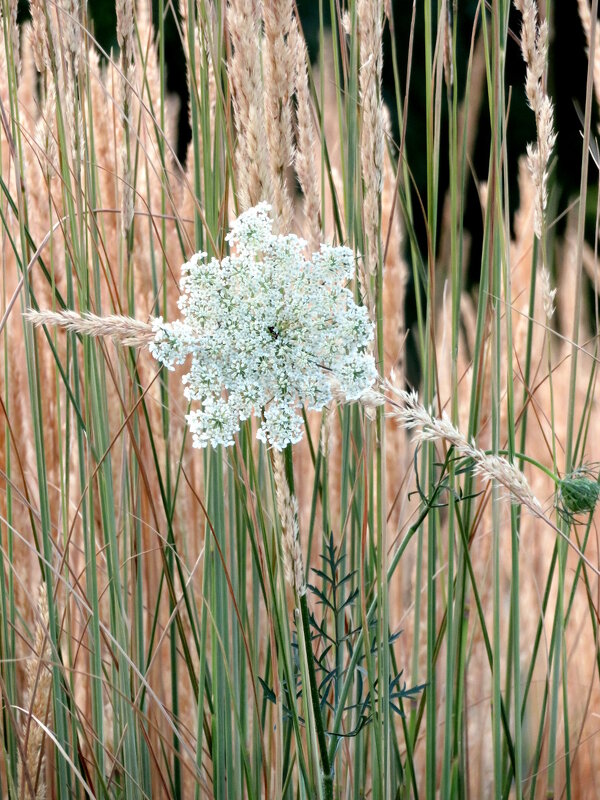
point(267, 331)
point(578, 493)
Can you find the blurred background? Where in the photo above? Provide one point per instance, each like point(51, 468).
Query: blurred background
point(567, 60)
point(566, 83)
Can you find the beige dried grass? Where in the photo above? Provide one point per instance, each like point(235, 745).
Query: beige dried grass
point(428, 428)
point(69, 11)
point(534, 47)
point(37, 701)
point(125, 330)
point(245, 77)
point(586, 23)
point(125, 38)
point(38, 37)
point(395, 279)
point(41, 99)
point(305, 161)
point(287, 508)
point(15, 37)
point(45, 134)
point(370, 15)
point(279, 69)
point(203, 59)
point(536, 547)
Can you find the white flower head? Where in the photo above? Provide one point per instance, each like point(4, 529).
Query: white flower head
point(267, 331)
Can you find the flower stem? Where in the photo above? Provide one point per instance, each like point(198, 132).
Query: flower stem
point(302, 603)
point(523, 457)
point(314, 696)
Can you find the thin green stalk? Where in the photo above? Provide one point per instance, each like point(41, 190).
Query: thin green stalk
point(326, 768)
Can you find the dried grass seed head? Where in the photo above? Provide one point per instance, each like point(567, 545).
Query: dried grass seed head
point(426, 427)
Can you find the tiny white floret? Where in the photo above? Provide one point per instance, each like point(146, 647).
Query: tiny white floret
point(267, 331)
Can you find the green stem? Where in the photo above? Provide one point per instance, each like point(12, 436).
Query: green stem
point(310, 661)
point(523, 457)
point(314, 697)
point(370, 614)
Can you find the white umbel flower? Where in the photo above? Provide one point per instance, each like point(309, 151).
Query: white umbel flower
point(267, 331)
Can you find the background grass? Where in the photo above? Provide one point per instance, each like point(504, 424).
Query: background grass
point(149, 645)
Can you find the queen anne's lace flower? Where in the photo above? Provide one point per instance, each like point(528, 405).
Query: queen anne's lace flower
point(267, 331)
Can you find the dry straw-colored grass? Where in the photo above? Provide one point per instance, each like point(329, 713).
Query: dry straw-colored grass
point(145, 205)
